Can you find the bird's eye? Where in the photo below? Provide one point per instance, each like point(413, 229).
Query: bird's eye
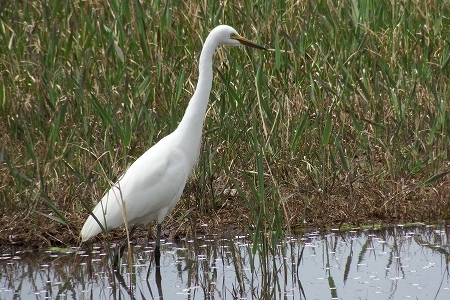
point(232, 35)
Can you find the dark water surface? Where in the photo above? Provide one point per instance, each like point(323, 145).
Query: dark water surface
point(393, 263)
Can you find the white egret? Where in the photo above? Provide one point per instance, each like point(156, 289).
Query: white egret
point(153, 184)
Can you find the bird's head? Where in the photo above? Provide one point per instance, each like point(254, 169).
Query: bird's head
point(226, 35)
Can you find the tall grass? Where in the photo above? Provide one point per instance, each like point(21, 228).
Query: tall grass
point(339, 123)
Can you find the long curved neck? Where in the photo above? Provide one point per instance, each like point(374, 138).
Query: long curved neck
point(189, 130)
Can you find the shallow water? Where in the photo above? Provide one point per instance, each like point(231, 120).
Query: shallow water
point(394, 263)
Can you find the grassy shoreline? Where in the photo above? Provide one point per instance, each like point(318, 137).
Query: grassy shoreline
point(349, 126)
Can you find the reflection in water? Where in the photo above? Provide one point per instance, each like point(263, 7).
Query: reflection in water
point(392, 263)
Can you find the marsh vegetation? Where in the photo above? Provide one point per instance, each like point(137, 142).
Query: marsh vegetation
point(345, 122)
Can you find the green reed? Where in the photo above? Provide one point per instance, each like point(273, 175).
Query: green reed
point(351, 104)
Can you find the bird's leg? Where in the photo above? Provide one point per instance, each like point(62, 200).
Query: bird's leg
point(158, 242)
point(123, 245)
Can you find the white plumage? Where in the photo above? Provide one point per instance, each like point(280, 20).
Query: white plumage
point(152, 185)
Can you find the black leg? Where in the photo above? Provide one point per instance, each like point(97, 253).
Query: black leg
point(157, 251)
point(123, 245)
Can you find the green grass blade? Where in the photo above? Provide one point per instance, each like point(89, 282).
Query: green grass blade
point(59, 216)
point(433, 179)
point(327, 130)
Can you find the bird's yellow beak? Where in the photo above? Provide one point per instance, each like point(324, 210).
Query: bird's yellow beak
point(246, 42)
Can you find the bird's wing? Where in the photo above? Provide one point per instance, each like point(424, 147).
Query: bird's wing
point(148, 189)
point(161, 180)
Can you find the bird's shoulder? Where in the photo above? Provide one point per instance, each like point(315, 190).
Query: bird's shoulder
point(163, 159)
point(165, 151)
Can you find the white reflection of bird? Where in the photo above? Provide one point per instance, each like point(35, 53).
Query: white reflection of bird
point(152, 185)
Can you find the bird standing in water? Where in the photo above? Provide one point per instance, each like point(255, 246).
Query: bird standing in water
point(153, 184)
